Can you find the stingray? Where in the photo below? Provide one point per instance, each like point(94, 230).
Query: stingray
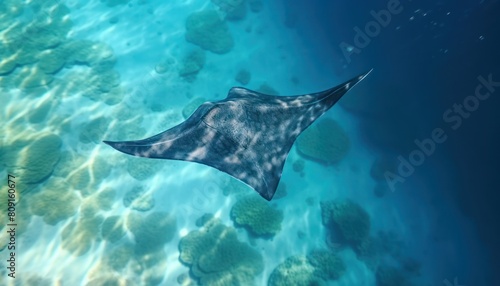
point(247, 135)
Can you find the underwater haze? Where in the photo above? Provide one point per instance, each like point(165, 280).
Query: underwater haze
point(396, 184)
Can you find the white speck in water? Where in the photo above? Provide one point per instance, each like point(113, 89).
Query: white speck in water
point(183, 232)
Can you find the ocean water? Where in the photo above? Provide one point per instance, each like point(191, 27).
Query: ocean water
point(396, 184)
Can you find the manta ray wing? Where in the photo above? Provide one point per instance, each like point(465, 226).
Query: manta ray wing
point(247, 135)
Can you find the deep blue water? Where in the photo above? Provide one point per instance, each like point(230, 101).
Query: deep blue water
point(428, 58)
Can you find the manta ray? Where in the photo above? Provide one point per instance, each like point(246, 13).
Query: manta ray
point(247, 135)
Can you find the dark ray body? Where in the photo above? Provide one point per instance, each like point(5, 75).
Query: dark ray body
point(247, 135)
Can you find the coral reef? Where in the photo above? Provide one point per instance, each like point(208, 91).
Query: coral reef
point(90, 53)
point(207, 30)
point(23, 217)
point(232, 186)
point(39, 114)
point(316, 268)
point(112, 229)
point(281, 191)
point(33, 161)
point(325, 141)
point(192, 64)
point(138, 199)
point(9, 10)
point(84, 174)
point(101, 81)
point(299, 166)
point(295, 270)
point(217, 257)
point(151, 232)
point(185, 280)
point(108, 280)
point(192, 106)
point(142, 168)
point(80, 236)
point(267, 89)
point(40, 158)
point(348, 219)
point(34, 51)
point(45, 31)
point(391, 276)
point(31, 77)
point(149, 268)
point(56, 202)
point(381, 165)
point(386, 244)
point(30, 278)
point(327, 265)
point(7, 64)
point(23, 43)
point(152, 267)
point(103, 199)
point(204, 219)
point(120, 130)
point(119, 257)
point(164, 65)
point(87, 176)
point(257, 216)
point(234, 9)
point(243, 76)
point(94, 131)
point(51, 61)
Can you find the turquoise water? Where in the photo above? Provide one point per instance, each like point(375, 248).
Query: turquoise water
point(75, 73)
